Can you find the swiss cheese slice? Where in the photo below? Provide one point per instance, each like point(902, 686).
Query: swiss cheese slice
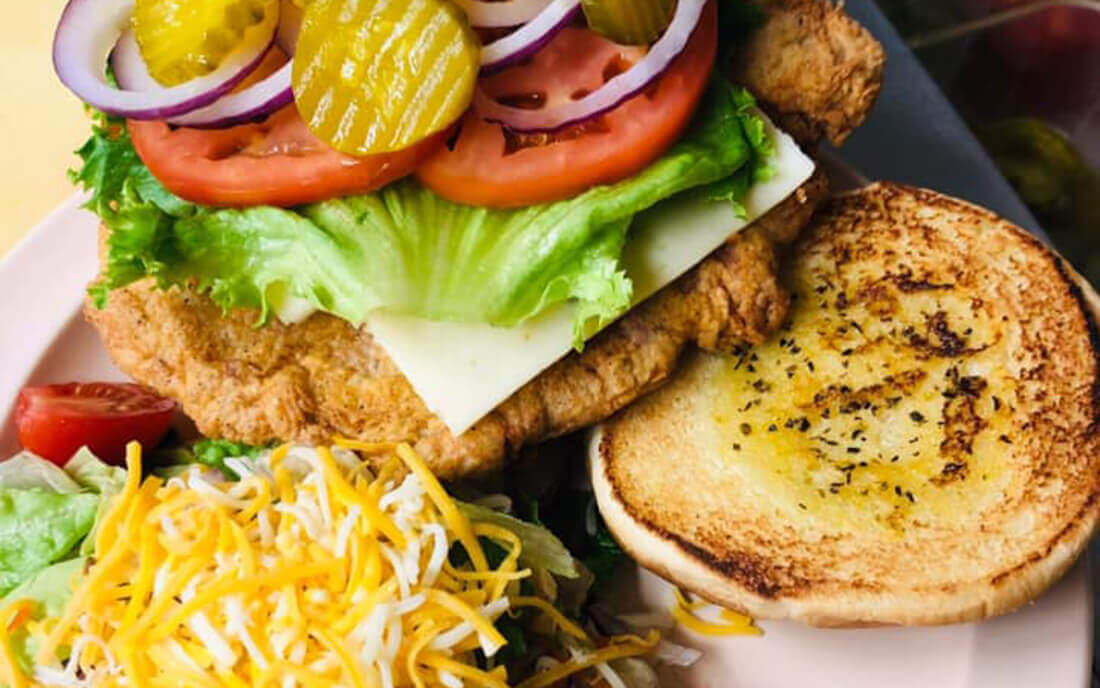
point(464, 370)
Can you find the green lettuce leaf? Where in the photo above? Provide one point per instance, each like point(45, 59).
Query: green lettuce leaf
point(404, 249)
point(574, 517)
point(26, 471)
point(39, 527)
point(50, 589)
point(46, 511)
point(101, 479)
point(541, 549)
point(95, 475)
point(213, 453)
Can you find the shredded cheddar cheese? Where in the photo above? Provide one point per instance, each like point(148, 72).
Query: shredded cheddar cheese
point(619, 648)
point(313, 570)
point(310, 571)
point(684, 612)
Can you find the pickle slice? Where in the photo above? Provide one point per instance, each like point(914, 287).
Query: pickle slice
point(376, 76)
point(181, 40)
point(630, 22)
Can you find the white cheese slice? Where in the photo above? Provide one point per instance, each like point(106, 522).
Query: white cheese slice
point(462, 370)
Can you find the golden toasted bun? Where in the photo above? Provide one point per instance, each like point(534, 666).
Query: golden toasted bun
point(919, 445)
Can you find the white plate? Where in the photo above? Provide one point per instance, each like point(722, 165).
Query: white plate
point(43, 338)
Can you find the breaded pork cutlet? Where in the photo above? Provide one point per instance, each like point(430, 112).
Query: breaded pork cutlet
point(816, 70)
point(323, 377)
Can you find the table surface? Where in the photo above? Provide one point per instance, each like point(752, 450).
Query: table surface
point(42, 123)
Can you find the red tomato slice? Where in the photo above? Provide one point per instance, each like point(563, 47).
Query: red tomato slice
point(490, 166)
point(275, 162)
point(56, 420)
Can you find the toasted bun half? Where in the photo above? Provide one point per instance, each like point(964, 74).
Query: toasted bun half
point(918, 445)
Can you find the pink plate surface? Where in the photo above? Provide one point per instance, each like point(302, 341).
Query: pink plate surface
point(43, 338)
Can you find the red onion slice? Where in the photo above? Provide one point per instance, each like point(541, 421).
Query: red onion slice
point(612, 94)
point(527, 40)
point(496, 15)
point(262, 98)
point(87, 32)
point(131, 72)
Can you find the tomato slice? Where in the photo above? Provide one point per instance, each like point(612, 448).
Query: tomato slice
point(56, 420)
point(275, 162)
point(490, 166)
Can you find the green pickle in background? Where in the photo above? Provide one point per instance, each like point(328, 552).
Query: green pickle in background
point(1030, 89)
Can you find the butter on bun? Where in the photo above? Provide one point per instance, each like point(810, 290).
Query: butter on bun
point(918, 445)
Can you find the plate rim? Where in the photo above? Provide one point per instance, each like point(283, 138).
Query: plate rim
point(44, 298)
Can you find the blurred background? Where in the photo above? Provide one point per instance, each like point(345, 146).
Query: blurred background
point(1025, 74)
point(40, 123)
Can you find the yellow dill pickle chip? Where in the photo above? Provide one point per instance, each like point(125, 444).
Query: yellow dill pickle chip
point(376, 76)
point(630, 22)
point(181, 40)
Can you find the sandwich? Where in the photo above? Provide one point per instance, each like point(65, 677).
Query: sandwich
point(370, 245)
point(916, 445)
point(519, 251)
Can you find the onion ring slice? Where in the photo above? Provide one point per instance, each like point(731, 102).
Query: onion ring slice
point(527, 40)
point(262, 98)
point(616, 91)
point(86, 34)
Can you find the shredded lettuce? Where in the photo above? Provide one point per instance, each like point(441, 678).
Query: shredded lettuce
point(404, 249)
point(169, 462)
point(541, 548)
point(213, 453)
point(26, 471)
point(95, 475)
point(99, 478)
point(50, 590)
point(39, 527)
point(51, 587)
point(45, 512)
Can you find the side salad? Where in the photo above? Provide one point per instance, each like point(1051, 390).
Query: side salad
point(214, 563)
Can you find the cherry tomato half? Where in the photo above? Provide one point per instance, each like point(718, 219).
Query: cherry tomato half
point(56, 420)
